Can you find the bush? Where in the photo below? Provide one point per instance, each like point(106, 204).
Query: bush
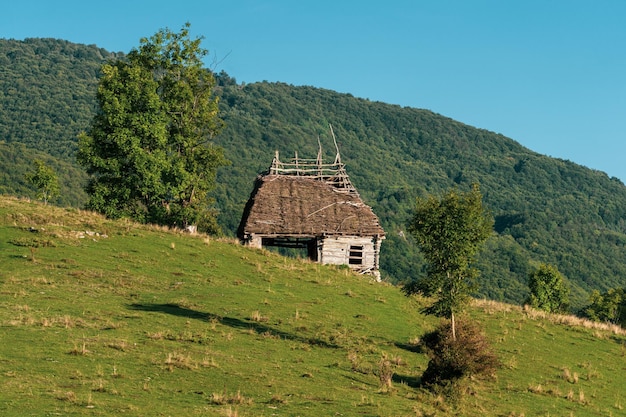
point(548, 289)
point(469, 355)
point(609, 306)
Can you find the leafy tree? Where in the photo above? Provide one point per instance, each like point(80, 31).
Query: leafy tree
point(548, 289)
point(45, 180)
point(609, 306)
point(149, 150)
point(449, 232)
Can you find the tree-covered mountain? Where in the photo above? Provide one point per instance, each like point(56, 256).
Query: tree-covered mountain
point(47, 96)
point(546, 210)
point(47, 92)
point(16, 161)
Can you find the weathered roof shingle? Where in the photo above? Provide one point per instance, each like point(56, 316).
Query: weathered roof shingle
point(282, 205)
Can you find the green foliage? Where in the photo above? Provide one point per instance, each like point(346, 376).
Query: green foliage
point(548, 289)
point(16, 161)
point(45, 180)
point(47, 96)
point(449, 231)
point(148, 150)
point(451, 359)
point(47, 92)
point(609, 306)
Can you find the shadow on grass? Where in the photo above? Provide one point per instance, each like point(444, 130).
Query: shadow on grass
point(411, 347)
point(259, 328)
point(410, 380)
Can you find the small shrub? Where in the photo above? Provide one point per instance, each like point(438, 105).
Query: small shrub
point(469, 355)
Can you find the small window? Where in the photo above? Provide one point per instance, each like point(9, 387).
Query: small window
point(356, 255)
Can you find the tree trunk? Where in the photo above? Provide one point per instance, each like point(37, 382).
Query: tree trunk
point(453, 326)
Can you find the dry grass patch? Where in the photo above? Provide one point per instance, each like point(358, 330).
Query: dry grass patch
point(492, 307)
point(69, 396)
point(121, 345)
point(180, 361)
point(277, 399)
point(258, 317)
point(592, 373)
point(397, 361)
point(578, 398)
point(98, 386)
point(209, 362)
point(385, 374)
point(21, 320)
point(159, 335)
point(571, 377)
point(225, 398)
point(80, 350)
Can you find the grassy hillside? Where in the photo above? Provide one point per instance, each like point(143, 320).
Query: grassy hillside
point(103, 318)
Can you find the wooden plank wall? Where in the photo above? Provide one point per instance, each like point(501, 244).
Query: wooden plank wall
point(336, 251)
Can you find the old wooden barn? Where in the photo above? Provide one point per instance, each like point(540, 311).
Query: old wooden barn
point(305, 203)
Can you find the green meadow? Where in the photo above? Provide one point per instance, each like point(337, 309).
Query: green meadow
point(102, 317)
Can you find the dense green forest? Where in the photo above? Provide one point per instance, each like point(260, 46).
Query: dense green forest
point(47, 96)
point(16, 160)
point(546, 209)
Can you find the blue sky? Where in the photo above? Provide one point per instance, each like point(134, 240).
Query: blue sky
point(550, 74)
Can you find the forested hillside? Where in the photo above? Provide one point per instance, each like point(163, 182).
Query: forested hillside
point(47, 91)
point(546, 209)
point(16, 160)
point(47, 96)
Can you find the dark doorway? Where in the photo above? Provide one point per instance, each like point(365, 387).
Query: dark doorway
point(293, 247)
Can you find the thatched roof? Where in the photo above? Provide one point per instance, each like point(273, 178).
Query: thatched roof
point(286, 205)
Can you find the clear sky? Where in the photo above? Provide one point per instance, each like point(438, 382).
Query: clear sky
point(550, 74)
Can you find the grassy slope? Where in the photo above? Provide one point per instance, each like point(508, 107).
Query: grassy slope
point(149, 322)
